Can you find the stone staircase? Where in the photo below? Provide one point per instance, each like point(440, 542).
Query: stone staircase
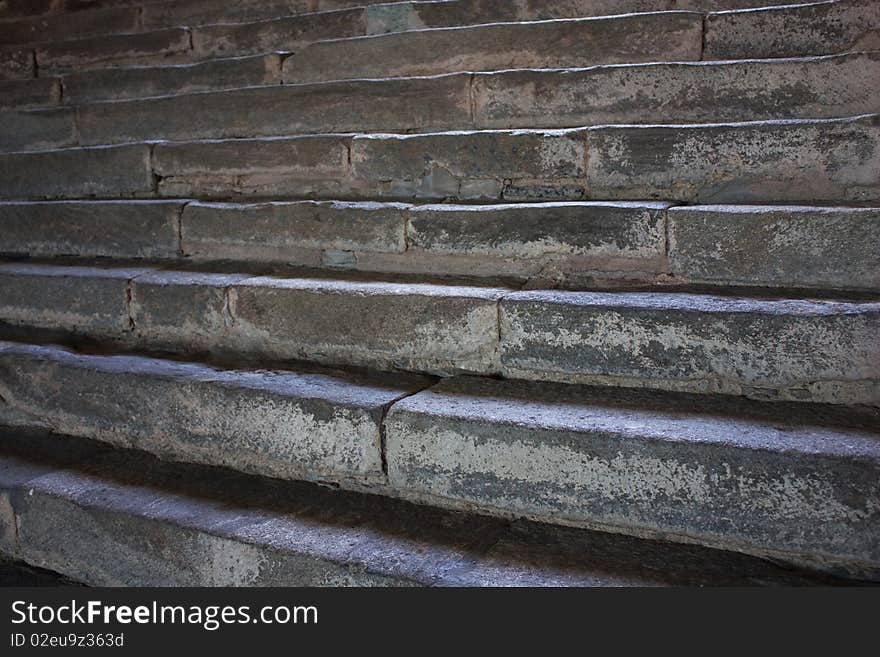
point(459, 292)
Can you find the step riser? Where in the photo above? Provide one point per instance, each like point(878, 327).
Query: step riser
point(739, 163)
point(191, 526)
point(699, 348)
point(675, 36)
point(568, 244)
point(575, 470)
point(800, 351)
point(838, 86)
point(821, 28)
point(290, 426)
point(576, 457)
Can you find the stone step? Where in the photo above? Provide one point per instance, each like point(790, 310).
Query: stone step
point(819, 28)
point(64, 26)
point(107, 517)
point(143, 81)
point(570, 244)
point(834, 160)
point(839, 86)
point(761, 480)
point(290, 425)
point(641, 37)
point(17, 64)
point(633, 38)
point(762, 348)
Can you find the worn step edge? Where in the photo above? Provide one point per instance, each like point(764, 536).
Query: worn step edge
point(568, 244)
point(116, 518)
point(796, 350)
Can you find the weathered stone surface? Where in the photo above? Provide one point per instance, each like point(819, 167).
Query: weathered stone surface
point(472, 165)
point(290, 232)
point(430, 328)
point(164, 46)
point(37, 129)
point(182, 311)
point(144, 81)
point(393, 105)
point(718, 474)
point(609, 234)
point(16, 64)
point(781, 245)
point(85, 300)
point(818, 160)
point(297, 166)
point(77, 172)
point(552, 44)
point(200, 12)
point(817, 28)
point(816, 87)
point(186, 525)
point(21, 94)
point(823, 351)
point(289, 33)
point(11, 9)
point(138, 229)
point(281, 424)
point(70, 25)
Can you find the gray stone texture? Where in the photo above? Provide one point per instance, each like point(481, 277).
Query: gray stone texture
point(553, 44)
point(108, 172)
point(787, 161)
point(23, 94)
point(817, 28)
point(115, 229)
point(83, 300)
point(822, 351)
point(281, 424)
point(145, 81)
point(777, 245)
point(428, 328)
point(772, 485)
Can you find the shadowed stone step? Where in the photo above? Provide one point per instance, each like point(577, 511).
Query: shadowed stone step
point(70, 25)
point(83, 300)
point(428, 328)
point(37, 92)
point(116, 229)
point(282, 424)
point(799, 350)
point(16, 64)
point(738, 163)
point(768, 161)
point(819, 28)
point(78, 172)
point(824, 351)
point(741, 91)
point(110, 84)
point(786, 482)
point(183, 525)
point(442, 103)
point(38, 129)
point(547, 44)
point(488, 240)
point(782, 245)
